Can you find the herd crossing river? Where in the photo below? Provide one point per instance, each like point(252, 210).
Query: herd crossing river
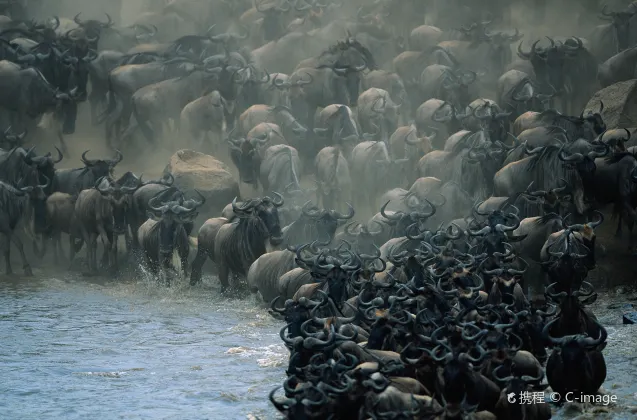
point(78, 348)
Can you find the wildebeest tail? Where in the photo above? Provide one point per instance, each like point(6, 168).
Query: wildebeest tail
point(143, 124)
point(113, 106)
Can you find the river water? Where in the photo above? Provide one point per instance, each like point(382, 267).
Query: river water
point(80, 348)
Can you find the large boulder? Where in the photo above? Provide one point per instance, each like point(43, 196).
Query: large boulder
point(208, 175)
point(620, 104)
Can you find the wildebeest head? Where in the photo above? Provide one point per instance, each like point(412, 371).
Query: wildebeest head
point(77, 68)
point(265, 209)
point(93, 28)
point(402, 223)
point(102, 167)
point(584, 163)
point(352, 81)
point(251, 84)
point(292, 129)
point(493, 122)
point(556, 200)
point(572, 357)
point(119, 198)
point(592, 123)
point(387, 111)
point(326, 221)
point(585, 233)
point(36, 192)
point(620, 22)
point(172, 215)
point(494, 234)
point(549, 63)
point(245, 154)
point(456, 86)
point(499, 52)
point(273, 27)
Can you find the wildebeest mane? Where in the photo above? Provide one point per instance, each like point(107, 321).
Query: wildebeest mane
point(13, 168)
point(552, 118)
point(286, 173)
point(549, 169)
point(151, 240)
point(460, 145)
point(245, 243)
point(616, 157)
point(12, 206)
point(542, 220)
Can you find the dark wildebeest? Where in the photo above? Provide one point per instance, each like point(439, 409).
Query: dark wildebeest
point(576, 364)
point(31, 95)
point(314, 224)
point(240, 243)
point(20, 164)
point(139, 209)
point(60, 217)
point(72, 181)
point(566, 67)
point(615, 182)
point(101, 211)
point(166, 232)
point(16, 206)
point(613, 37)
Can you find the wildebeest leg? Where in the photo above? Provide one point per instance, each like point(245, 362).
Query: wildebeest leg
point(95, 99)
point(91, 247)
point(197, 265)
point(618, 232)
point(146, 130)
point(128, 240)
point(183, 256)
point(223, 276)
point(113, 260)
point(25, 264)
point(6, 242)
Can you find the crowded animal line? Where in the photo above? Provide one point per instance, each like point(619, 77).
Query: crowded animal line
point(412, 188)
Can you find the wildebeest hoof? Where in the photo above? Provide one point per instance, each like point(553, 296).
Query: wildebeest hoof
point(27, 271)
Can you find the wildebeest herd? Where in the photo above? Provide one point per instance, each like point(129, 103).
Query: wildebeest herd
point(487, 175)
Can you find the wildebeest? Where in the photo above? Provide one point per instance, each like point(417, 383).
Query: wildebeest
point(333, 178)
point(72, 181)
point(204, 115)
point(32, 95)
point(613, 37)
point(16, 206)
point(240, 243)
point(548, 166)
point(205, 246)
point(376, 109)
point(375, 171)
point(293, 131)
point(60, 218)
point(315, 224)
point(164, 233)
point(101, 212)
point(585, 126)
point(576, 364)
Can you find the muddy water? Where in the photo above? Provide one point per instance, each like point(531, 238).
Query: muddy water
point(78, 348)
